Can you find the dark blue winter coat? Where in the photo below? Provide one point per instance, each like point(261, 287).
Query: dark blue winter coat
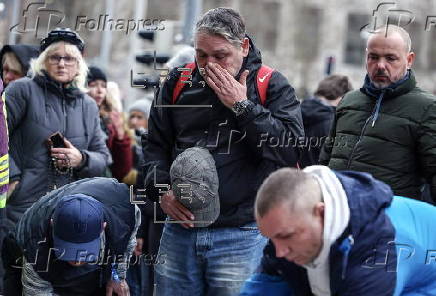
point(388, 248)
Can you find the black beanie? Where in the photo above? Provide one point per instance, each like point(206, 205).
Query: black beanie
point(96, 74)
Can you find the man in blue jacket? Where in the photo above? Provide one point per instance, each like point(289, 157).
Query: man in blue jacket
point(342, 234)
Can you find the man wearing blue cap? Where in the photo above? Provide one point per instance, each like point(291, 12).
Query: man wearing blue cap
point(76, 240)
point(77, 226)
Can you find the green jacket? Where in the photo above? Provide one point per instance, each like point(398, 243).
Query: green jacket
point(390, 134)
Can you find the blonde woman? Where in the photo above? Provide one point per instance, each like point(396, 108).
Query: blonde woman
point(54, 128)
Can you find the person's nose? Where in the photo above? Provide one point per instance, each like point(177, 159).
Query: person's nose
point(281, 249)
point(61, 62)
point(133, 122)
point(211, 59)
point(381, 64)
point(8, 77)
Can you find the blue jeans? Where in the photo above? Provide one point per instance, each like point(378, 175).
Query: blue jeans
point(207, 261)
point(138, 275)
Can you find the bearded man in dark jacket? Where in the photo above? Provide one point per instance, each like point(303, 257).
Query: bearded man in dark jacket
point(388, 127)
point(220, 110)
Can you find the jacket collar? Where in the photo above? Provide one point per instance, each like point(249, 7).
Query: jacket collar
point(403, 86)
point(46, 82)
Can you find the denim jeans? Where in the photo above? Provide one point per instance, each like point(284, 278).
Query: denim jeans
point(134, 279)
point(139, 275)
point(207, 261)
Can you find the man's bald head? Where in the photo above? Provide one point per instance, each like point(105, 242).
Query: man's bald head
point(393, 31)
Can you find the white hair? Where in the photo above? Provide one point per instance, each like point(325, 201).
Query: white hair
point(38, 65)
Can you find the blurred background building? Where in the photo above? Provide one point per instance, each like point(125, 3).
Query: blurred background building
point(304, 39)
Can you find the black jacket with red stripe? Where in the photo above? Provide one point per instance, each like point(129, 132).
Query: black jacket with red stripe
point(246, 148)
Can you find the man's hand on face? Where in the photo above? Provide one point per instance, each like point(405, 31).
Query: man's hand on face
point(226, 87)
point(120, 288)
point(173, 208)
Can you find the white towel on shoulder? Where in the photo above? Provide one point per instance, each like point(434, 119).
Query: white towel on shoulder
point(336, 219)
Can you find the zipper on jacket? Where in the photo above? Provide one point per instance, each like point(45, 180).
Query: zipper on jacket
point(345, 248)
point(358, 141)
point(64, 110)
point(372, 116)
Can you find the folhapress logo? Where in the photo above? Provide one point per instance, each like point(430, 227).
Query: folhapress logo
point(39, 19)
point(105, 22)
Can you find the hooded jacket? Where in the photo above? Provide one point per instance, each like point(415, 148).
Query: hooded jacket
point(317, 120)
point(24, 54)
point(389, 133)
point(245, 148)
point(384, 247)
point(37, 108)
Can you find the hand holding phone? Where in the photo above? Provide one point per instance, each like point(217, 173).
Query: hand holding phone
point(56, 140)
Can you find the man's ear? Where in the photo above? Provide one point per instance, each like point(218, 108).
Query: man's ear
point(104, 225)
point(245, 47)
point(318, 210)
point(410, 59)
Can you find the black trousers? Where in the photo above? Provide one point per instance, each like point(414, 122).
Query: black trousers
point(12, 259)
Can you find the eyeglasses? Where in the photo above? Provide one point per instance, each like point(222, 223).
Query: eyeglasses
point(55, 59)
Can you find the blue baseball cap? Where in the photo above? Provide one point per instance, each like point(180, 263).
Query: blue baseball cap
point(77, 226)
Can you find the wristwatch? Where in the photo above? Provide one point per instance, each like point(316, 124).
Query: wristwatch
point(241, 107)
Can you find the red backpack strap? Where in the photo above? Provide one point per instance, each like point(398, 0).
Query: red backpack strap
point(262, 80)
point(186, 75)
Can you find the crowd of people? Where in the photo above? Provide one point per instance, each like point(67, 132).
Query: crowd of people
point(225, 212)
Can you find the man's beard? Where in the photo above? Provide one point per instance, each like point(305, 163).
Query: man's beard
point(380, 85)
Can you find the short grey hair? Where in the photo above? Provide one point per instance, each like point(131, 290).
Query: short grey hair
point(392, 29)
point(289, 187)
point(225, 22)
